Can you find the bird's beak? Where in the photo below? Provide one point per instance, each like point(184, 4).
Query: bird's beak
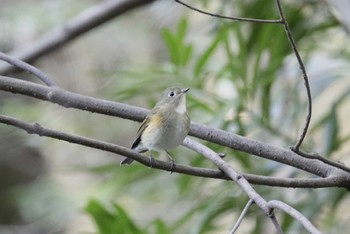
point(185, 90)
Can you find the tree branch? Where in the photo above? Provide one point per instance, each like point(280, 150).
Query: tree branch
point(28, 68)
point(274, 204)
point(241, 217)
point(296, 147)
point(266, 21)
point(284, 22)
point(266, 207)
point(82, 23)
point(72, 100)
point(37, 129)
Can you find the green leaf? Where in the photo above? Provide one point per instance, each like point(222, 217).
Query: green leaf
point(182, 29)
point(111, 221)
point(160, 226)
point(187, 54)
point(203, 59)
point(172, 46)
point(332, 130)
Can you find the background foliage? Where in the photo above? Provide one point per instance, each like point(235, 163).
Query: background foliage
point(243, 78)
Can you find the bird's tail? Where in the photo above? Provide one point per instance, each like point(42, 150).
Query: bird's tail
point(139, 149)
point(127, 161)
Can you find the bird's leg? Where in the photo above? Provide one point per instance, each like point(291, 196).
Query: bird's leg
point(151, 159)
point(171, 161)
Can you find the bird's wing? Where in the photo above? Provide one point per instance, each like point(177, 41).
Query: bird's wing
point(142, 128)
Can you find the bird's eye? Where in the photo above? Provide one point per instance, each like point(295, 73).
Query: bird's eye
point(171, 94)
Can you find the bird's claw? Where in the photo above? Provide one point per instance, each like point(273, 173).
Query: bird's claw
point(172, 166)
point(151, 161)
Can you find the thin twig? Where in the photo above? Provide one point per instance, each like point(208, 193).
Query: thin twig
point(296, 147)
point(241, 217)
point(28, 68)
point(275, 222)
point(274, 204)
point(323, 159)
point(266, 21)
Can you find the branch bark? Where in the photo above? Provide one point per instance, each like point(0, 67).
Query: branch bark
point(332, 176)
point(266, 207)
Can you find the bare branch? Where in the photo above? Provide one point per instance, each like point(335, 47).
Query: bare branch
point(284, 22)
point(323, 159)
point(295, 214)
point(295, 148)
point(195, 171)
point(266, 207)
point(241, 217)
point(72, 100)
point(35, 128)
point(266, 21)
point(84, 22)
point(276, 223)
point(28, 68)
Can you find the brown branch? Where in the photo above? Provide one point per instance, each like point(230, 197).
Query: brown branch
point(296, 147)
point(266, 21)
point(82, 23)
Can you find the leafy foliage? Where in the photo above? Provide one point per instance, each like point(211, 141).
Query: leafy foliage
point(247, 60)
point(244, 79)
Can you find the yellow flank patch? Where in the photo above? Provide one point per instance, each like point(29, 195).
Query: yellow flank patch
point(155, 121)
point(151, 130)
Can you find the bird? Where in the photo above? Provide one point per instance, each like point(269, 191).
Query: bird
point(165, 127)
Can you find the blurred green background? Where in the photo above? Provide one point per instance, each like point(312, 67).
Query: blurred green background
point(243, 77)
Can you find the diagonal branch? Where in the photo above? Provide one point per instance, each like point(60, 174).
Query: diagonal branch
point(266, 207)
point(82, 23)
point(28, 68)
point(241, 217)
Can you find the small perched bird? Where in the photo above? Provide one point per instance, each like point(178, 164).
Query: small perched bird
point(165, 127)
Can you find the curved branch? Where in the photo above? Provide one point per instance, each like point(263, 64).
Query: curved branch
point(274, 204)
point(296, 147)
point(258, 148)
point(28, 68)
point(82, 23)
